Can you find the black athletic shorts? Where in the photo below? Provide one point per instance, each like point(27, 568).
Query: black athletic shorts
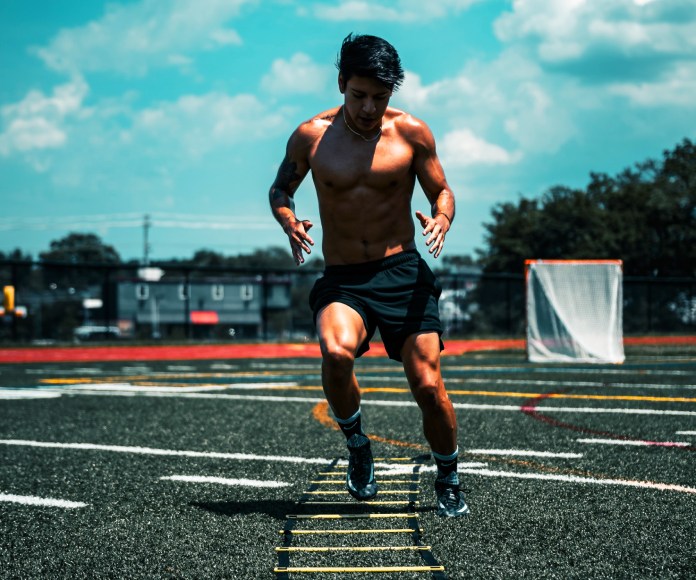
point(398, 294)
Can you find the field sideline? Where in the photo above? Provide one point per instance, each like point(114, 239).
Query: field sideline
point(192, 467)
point(96, 353)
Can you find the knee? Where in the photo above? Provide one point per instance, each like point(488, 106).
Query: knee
point(337, 357)
point(430, 394)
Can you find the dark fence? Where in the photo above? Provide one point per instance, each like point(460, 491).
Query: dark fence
point(165, 301)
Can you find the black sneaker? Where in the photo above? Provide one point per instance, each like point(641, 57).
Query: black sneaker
point(360, 479)
point(450, 499)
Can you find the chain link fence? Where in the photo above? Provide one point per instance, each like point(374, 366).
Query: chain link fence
point(62, 302)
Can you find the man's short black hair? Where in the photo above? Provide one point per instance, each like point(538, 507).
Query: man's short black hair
point(364, 55)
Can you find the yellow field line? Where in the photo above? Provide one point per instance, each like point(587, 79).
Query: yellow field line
point(396, 390)
point(516, 394)
point(71, 381)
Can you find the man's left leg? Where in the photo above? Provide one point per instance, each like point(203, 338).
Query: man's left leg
point(421, 357)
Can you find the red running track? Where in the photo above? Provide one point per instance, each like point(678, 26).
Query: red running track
point(266, 350)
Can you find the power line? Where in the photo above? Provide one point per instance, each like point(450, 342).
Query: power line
point(106, 221)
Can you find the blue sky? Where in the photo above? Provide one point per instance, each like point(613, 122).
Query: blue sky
point(181, 109)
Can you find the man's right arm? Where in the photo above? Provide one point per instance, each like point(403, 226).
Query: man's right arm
point(292, 171)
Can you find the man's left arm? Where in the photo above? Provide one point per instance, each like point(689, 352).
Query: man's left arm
point(432, 179)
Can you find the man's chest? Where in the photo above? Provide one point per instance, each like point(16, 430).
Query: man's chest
point(379, 165)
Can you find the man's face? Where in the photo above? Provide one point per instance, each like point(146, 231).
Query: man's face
point(366, 101)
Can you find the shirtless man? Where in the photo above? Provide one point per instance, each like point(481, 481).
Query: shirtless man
point(365, 158)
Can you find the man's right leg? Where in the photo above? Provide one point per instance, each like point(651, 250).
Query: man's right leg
point(341, 332)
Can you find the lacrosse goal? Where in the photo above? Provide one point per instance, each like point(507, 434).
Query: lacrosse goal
point(574, 310)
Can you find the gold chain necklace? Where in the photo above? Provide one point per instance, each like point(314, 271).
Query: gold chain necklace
point(379, 133)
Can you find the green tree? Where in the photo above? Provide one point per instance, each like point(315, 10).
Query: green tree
point(455, 262)
point(83, 251)
point(644, 216)
point(81, 248)
point(19, 274)
point(273, 257)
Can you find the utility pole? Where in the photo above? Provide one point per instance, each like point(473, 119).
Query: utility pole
point(146, 244)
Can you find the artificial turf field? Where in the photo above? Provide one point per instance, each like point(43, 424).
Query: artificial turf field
point(189, 469)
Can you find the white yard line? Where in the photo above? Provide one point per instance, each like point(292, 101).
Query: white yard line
point(524, 453)
point(394, 468)
point(578, 479)
point(127, 390)
point(591, 410)
point(128, 387)
point(16, 394)
point(636, 443)
point(41, 501)
point(164, 452)
point(144, 392)
point(391, 469)
point(568, 370)
point(686, 432)
point(70, 371)
point(598, 384)
point(225, 481)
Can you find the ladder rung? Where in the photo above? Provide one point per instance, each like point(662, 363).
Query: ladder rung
point(384, 472)
point(352, 548)
point(343, 532)
point(348, 516)
point(387, 492)
point(395, 459)
point(369, 502)
point(381, 482)
point(279, 570)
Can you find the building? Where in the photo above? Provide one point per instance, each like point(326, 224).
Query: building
point(239, 307)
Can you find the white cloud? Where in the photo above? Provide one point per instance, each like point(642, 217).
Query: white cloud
point(33, 133)
point(130, 38)
point(400, 11)
point(299, 75)
point(447, 93)
point(66, 99)
point(461, 148)
point(677, 90)
point(38, 121)
point(563, 31)
point(195, 125)
point(507, 100)
point(638, 50)
point(226, 36)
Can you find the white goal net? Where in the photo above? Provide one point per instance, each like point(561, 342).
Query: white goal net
point(574, 311)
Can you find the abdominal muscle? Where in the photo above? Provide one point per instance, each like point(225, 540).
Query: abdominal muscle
point(365, 225)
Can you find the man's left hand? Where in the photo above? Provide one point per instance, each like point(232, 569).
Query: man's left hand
point(437, 227)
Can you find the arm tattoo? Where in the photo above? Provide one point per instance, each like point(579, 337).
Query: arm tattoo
point(281, 198)
point(284, 186)
point(287, 175)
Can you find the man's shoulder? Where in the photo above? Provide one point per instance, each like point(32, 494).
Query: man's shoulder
point(317, 124)
point(311, 130)
point(413, 129)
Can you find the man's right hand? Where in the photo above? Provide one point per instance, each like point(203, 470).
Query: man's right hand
point(299, 239)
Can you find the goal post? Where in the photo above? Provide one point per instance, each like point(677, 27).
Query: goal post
point(574, 310)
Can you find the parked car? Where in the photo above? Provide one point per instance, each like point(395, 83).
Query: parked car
point(83, 333)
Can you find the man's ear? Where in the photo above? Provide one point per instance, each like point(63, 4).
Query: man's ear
point(341, 84)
